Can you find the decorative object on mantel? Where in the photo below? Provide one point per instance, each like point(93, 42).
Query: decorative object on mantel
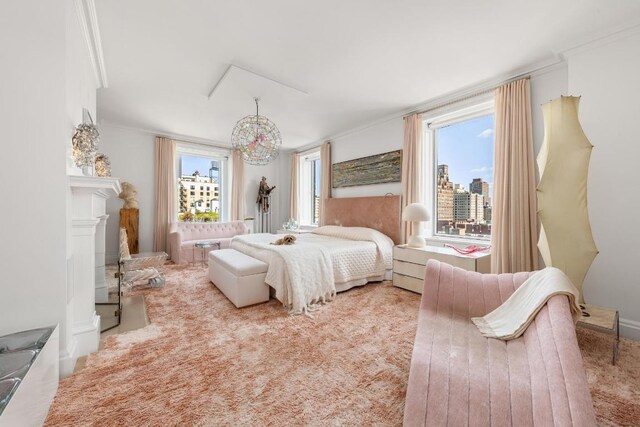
point(416, 213)
point(565, 239)
point(257, 138)
point(84, 146)
point(103, 165)
point(468, 250)
point(128, 194)
point(376, 169)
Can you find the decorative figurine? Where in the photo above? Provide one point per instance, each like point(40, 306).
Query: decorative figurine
point(263, 194)
point(128, 194)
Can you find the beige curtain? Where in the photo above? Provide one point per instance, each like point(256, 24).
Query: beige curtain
point(165, 189)
point(411, 167)
point(237, 186)
point(514, 228)
point(295, 176)
point(325, 178)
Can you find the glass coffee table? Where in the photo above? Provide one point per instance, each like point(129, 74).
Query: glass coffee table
point(203, 246)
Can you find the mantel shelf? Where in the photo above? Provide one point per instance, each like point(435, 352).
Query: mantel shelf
point(105, 186)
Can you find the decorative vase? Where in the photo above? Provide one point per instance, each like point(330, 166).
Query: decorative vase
point(87, 170)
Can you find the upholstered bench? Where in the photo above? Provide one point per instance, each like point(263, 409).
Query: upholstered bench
point(239, 276)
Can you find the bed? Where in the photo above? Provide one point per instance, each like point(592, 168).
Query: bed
point(356, 248)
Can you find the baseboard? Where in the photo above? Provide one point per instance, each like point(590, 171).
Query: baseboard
point(87, 335)
point(630, 329)
point(68, 358)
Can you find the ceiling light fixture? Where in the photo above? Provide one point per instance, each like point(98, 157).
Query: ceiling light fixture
point(257, 138)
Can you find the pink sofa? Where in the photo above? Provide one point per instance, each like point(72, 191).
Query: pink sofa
point(458, 377)
point(185, 234)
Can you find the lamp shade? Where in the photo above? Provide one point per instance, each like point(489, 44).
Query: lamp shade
point(415, 212)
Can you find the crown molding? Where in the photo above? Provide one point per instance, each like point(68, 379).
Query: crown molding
point(532, 70)
point(87, 15)
point(175, 136)
point(600, 39)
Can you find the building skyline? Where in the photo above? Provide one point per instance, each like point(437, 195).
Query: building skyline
point(461, 211)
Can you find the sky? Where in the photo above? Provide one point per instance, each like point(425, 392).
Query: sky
point(467, 148)
point(191, 164)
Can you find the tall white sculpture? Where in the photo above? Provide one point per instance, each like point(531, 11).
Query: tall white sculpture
point(565, 239)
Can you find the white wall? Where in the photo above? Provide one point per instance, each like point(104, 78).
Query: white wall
point(607, 79)
point(44, 89)
point(131, 153)
point(380, 138)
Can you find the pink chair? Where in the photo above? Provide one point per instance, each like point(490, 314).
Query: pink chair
point(459, 378)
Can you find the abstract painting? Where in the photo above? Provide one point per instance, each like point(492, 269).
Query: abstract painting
point(376, 169)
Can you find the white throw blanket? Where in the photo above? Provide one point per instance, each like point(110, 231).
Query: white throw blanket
point(512, 317)
point(302, 273)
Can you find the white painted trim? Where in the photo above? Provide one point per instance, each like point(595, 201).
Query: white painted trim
point(232, 66)
point(175, 136)
point(532, 70)
point(630, 329)
point(602, 39)
point(87, 15)
point(68, 358)
point(87, 335)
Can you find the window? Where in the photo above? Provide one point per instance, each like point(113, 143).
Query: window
point(462, 144)
point(199, 167)
point(309, 188)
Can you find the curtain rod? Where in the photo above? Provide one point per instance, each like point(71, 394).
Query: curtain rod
point(465, 97)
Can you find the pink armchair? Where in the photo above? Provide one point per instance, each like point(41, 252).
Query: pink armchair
point(185, 234)
point(458, 377)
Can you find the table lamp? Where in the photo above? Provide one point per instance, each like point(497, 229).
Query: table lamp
point(416, 213)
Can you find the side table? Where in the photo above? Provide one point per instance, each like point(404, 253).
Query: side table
point(605, 320)
point(203, 246)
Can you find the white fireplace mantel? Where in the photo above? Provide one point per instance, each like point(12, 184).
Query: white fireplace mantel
point(88, 217)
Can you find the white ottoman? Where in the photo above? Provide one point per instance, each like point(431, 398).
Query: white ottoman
point(239, 276)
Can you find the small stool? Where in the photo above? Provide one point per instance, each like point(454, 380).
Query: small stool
point(605, 320)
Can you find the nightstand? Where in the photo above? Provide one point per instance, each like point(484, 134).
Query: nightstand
point(298, 231)
point(409, 264)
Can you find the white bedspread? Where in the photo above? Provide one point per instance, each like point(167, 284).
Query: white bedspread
point(306, 273)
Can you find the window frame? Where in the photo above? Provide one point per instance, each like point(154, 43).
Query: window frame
point(456, 113)
point(306, 206)
point(224, 174)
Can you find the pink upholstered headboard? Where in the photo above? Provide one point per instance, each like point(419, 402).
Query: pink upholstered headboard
point(381, 213)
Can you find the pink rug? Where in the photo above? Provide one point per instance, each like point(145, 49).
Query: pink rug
point(203, 362)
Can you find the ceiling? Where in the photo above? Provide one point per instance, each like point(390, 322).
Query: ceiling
point(353, 61)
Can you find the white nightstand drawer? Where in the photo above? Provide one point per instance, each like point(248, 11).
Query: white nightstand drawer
point(409, 283)
point(409, 269)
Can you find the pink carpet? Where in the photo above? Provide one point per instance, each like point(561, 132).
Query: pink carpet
point(203, 362)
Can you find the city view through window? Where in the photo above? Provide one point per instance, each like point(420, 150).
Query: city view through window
point(199, 189)
point(464, 181)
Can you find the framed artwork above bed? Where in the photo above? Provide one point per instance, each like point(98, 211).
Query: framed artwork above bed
point(376, 169)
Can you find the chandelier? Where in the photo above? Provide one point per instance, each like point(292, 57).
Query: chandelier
point(257, 138)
